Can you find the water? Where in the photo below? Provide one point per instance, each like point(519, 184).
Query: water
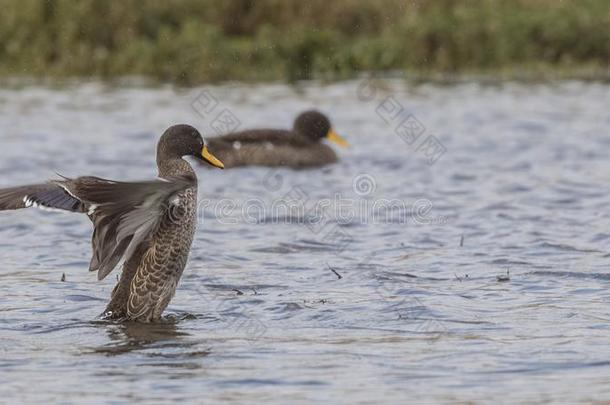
point(380, 306)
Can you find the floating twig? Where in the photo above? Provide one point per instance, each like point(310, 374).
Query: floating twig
point(238, 291)
point(339, 276)
point(462, 241)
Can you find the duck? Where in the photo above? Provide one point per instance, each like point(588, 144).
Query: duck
point(146, 225)
point(301, 147)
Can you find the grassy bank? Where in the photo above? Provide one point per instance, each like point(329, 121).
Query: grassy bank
point(197, 41)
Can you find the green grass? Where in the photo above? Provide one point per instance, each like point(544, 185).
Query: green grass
point(198, 41)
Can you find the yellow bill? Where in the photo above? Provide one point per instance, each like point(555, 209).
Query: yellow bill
point(336, 139)
point(211, 159)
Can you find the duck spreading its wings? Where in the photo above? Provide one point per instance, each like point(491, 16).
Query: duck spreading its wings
point(149, 225)
point(123, 214)
point(299, 147)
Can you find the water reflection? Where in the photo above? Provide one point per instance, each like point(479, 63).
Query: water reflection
point(163, 339)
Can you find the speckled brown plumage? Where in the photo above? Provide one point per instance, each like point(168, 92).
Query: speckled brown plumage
point(300, 147)
point(149, 279)
point(149, 225)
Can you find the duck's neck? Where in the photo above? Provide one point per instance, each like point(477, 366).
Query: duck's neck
point(175, 167)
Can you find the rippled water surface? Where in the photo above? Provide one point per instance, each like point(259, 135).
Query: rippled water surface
point(376, 304)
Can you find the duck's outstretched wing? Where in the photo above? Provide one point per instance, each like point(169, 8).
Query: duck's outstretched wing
point(124, 214)
point(50, 195)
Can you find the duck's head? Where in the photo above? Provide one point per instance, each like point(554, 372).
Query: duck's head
point(316, 126)
point(183, 140)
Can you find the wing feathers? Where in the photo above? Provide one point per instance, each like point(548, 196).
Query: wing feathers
point(50, 195)
point(124, 215)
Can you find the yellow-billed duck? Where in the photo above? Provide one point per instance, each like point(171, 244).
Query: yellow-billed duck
point(148, 225)
point(298, 148)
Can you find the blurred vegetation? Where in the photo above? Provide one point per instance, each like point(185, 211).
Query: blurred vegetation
point(195, 41)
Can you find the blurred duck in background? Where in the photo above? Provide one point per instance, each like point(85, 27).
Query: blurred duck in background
point(300, 147)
